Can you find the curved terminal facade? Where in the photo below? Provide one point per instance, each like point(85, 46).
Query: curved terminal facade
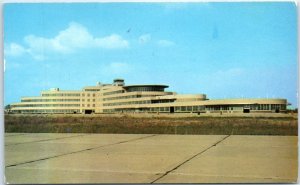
point(119, 98)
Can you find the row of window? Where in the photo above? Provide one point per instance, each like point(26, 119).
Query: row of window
point(127, 103)
point(223, 107)
point(88, 95)
point(88, 105)
point(188, 108)
point(113, 92)
point(278, 106)
point(163, 101)
point(199, 108)
point(48, 111)
point(88, 100)
point(126, 97)
point(46, 105)
point(207, 107)
point(50, 100)
point(168, 109)
point(160, 109)
point(61, 94)
point(268, 107)
point(251, 107)
point(145, 89)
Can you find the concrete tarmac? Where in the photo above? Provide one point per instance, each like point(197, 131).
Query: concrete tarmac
point(141, 158)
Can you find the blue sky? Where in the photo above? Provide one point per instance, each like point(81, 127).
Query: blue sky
point(225, 50)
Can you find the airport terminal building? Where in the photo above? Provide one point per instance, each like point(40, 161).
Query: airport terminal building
point(120, 98)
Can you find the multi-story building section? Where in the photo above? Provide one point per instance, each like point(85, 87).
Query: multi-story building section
point(120, 98)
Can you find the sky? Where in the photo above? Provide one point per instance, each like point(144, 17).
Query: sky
point(224, 50)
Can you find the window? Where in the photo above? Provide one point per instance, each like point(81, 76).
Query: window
point(201, 107)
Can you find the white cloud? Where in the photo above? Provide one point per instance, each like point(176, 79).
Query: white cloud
point(144, 38)
point(14, 49)
point(74, 37)
point(113, 41)
point(165, 43)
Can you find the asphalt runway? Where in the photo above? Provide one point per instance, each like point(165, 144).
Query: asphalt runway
point(142, 158)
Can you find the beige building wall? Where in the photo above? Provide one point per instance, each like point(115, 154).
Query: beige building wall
point(116, 97)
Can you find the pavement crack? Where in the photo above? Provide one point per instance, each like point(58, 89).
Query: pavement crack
point(58, 138)
point(78, 151)
point(192, 157)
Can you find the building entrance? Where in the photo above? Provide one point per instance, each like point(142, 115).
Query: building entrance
point(246, 110)
point(88, 111)
point(171, 109)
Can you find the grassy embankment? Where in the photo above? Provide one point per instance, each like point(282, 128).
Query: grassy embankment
point(151, 125)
